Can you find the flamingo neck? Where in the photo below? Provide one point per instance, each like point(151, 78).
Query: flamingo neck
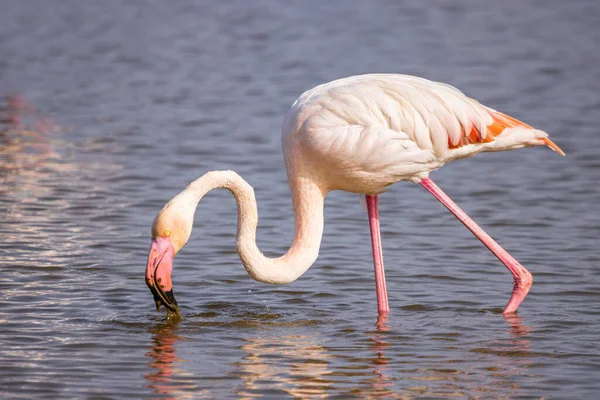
point(308, 226)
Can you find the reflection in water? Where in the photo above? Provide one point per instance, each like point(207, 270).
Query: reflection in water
point(162, 357)
point(518, 330)
point(19, 113)
point(24, 136)
point(505, 361)
point(163, 362)
point(382, 322)
point(298, 365)
point(294, 364)
point(301, 367)
point(502, 363)
point(380, 383)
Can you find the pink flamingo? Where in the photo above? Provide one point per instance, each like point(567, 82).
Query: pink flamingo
point(359, 134)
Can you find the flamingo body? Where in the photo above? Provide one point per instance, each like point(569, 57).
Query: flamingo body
point(359, 134)
point(363, 133)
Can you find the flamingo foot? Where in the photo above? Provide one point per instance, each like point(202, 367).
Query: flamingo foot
point(521, 288)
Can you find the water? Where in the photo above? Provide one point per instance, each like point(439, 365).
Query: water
point(126, 103)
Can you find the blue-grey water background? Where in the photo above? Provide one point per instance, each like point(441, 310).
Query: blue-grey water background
point(122, 104)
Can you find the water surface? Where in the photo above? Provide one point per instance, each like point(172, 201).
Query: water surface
point(110, 108)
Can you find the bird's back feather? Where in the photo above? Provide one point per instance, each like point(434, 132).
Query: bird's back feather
point(397, 125)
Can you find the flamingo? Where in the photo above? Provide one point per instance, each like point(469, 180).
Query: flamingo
point(359, 134)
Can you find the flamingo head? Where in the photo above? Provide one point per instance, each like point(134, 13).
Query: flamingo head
point(170, 232)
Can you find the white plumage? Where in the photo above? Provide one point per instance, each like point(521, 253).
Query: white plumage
point(378, 129)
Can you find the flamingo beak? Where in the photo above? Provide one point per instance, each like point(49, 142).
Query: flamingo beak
point(158, 273)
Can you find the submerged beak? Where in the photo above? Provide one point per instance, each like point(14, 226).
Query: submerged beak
point(158, 273)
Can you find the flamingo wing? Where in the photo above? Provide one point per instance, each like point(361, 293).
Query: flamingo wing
point(503, 121)
point(435, 116)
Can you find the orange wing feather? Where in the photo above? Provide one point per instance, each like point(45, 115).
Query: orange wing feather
point(500, 122)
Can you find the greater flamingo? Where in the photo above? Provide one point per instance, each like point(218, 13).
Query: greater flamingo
point(359, 134)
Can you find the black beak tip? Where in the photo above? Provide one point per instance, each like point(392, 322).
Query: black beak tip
point(171, 298)
point(166, 298)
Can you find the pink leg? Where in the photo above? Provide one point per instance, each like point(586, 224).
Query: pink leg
point(522, 277)
point(382, 299)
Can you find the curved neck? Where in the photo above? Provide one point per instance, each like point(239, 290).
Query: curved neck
point(308, 226)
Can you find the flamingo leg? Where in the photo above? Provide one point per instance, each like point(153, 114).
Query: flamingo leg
point(522, 277)
point(383, 307)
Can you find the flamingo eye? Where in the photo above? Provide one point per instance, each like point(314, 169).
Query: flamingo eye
point(167, 233)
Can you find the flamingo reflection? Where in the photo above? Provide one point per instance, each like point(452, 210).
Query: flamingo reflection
point(162, 358)
point(497, 366)
point(380, 382)
point(293, 364)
